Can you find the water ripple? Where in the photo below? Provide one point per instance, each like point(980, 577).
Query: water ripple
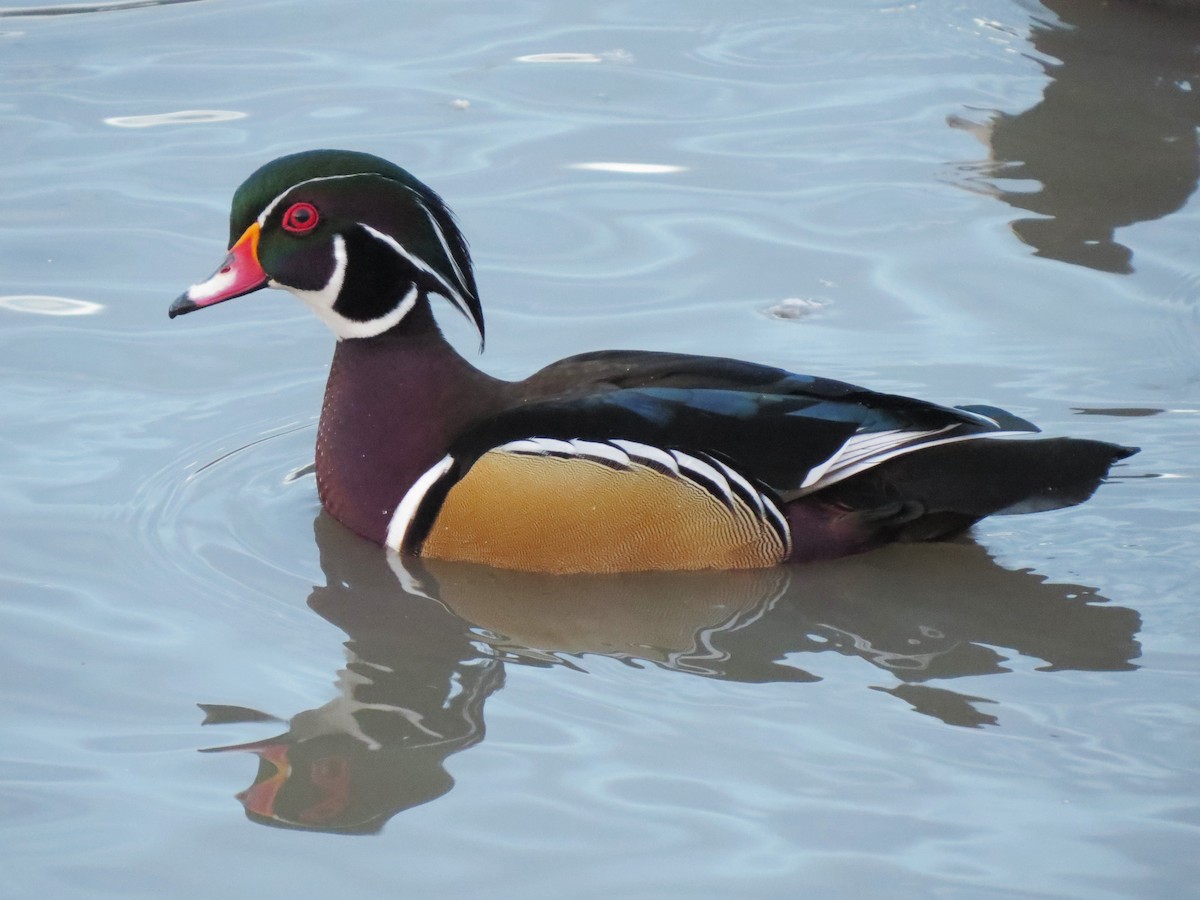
point(628, 168)
point(560, 58)
point(179, 117)
point(43, 305)
point(71, 9)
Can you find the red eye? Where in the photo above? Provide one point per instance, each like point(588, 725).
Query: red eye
point(300, 218)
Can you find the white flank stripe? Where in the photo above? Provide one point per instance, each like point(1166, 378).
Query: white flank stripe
point(750, 489)
point(705, 471)
point(646, 452)
point(553, 445)
point(529, 445)
point(575, 447)
point(411, 502)
point(764, 505)
point(784, 528)
point(601, 451)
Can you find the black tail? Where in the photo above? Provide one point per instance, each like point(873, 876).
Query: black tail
point(944, 489)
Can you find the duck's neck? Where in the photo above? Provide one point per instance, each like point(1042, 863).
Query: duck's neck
point(393, 404)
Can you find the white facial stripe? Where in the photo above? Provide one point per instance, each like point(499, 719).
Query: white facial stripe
point(322, 301)
point(406, 510)
point(451, 294)
point(441, 236)
point(270, 207)
point(349, 328)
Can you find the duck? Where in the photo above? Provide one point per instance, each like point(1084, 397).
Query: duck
point(605, 462)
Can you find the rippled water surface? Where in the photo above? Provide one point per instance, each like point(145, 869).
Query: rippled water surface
point(973, 202)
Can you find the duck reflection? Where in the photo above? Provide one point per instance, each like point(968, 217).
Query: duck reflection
point(428, 645)
point(1113, 140)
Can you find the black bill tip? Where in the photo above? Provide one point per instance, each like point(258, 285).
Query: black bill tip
point(181, 305)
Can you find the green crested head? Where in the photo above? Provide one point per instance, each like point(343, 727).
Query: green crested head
point(356, 237)
point(270, 180)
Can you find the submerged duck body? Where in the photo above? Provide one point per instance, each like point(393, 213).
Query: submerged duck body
point(604, 462)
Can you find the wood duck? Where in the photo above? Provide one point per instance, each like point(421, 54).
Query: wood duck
point(608, 461)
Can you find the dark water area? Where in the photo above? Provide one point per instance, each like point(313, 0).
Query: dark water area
point(211, 687)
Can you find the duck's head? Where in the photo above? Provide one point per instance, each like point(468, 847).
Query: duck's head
point(357, 238)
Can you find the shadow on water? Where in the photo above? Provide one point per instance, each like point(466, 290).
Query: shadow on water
point(1113, 140)
point(427, 647)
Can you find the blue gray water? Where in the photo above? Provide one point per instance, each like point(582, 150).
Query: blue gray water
point(987, 202)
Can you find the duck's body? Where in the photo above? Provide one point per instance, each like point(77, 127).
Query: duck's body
point(610, 461)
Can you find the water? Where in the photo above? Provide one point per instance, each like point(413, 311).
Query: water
point(828, 187)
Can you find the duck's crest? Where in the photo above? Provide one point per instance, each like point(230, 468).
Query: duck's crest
point(443, 236)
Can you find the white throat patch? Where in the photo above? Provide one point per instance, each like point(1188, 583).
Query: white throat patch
point(322, 301)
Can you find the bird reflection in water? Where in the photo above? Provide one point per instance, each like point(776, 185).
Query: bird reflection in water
point(1113, 140)
point(429, 642)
